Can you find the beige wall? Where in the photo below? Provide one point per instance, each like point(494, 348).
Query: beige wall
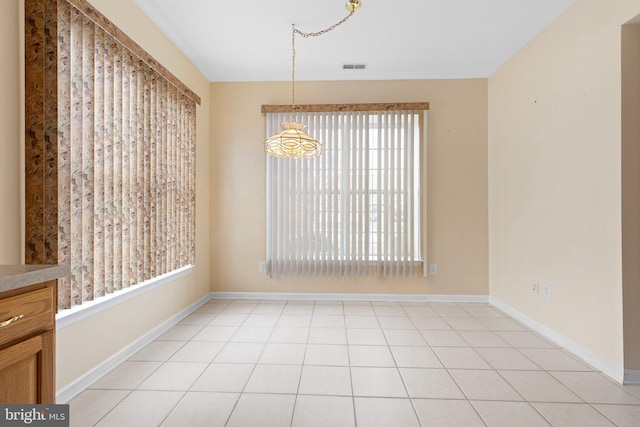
point(84, 345)
point(10, 133)
point(631, 193)
point(555, 176)
point(457, 184)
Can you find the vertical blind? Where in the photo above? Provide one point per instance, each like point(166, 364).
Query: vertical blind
point(125, 161)
point(355, 210)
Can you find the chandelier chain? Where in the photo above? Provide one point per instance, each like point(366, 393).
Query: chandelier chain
point(295, 31)
point(293, 71)
point(331, 28)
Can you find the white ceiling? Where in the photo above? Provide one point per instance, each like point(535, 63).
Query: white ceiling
point(250, 40)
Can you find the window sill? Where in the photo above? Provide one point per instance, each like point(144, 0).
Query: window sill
point(335, 267)
point(340, 262)
point(75, 314)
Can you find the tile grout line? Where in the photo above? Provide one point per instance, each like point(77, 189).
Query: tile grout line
point(475, 410)
point(353, 393)
point(114, 407)
point(235, 405)
point(304, 356)
point(196, 380)
point(187, 391)
point(254, 364)
point(603, 414)
point(395, 362)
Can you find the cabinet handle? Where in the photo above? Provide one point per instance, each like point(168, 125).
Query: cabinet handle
point(10, 321)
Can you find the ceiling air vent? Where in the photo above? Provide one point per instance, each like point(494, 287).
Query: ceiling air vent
point(353, 66)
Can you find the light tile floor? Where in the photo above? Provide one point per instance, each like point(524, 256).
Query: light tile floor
point(255, 363)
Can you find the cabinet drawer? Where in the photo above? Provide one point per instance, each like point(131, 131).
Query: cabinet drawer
point(33, 312)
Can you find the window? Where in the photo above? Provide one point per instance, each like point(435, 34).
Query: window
point(110, 154)
point(355, 210)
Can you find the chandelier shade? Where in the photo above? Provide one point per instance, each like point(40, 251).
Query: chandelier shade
point(292, 143)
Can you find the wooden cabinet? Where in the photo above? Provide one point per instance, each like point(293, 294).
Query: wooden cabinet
point(27, 344)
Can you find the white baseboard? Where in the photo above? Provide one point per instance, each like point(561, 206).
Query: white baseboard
point(615, 372)
point(350, 297)
point(631, 376)
point(87, 309)
point(82, 383)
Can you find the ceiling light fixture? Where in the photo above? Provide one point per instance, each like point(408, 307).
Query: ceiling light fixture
point(292, 142)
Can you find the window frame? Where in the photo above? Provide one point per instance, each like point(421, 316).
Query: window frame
point(419, 165)
point(42, 155)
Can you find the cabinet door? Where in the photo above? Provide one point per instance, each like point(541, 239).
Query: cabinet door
point(23, 372)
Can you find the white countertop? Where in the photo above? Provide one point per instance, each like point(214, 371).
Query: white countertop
point(18, 276)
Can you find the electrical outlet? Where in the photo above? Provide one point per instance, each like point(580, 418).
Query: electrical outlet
point(546, 290)
point(535, 288)
point(433, 269)
point(262, 267)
